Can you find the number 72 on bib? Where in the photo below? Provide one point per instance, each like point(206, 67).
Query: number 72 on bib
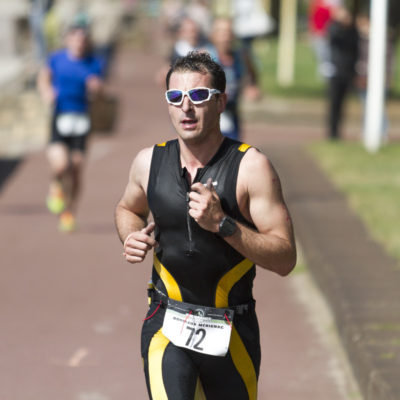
point(202, 329)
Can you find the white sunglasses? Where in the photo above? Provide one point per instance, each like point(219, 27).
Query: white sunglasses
point(197, 95)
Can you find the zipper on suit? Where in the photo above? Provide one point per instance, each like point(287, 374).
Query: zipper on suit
point(189, 252)
point(200, 172)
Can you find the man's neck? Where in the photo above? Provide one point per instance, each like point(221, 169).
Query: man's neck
point(197, 155)
point(73, 55)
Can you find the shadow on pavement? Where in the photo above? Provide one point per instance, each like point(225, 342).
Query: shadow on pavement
point(7, 167)
point(24, 209)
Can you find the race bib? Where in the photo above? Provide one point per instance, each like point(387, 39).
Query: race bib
point(203, 329)
point(72, 124)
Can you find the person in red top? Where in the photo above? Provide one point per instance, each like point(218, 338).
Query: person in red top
point(320, 14)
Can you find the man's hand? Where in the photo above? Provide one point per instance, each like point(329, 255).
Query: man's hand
point(205, 206)
point(138, 243)
point(49, 95)
point(94, 84)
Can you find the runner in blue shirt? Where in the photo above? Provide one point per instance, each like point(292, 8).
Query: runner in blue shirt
point(71, 75)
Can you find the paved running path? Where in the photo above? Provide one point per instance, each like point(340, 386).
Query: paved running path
point(71, 308)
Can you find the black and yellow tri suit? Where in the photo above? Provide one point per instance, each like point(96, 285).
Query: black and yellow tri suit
point(196, 266)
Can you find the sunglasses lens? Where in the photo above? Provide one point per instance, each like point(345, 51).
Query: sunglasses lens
point(199, 94)
point(174, 96)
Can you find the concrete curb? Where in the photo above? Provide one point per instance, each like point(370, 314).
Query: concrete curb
point(360, 281)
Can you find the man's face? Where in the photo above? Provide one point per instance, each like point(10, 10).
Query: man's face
point(189, 32)
point(222, 34)
point(195, 123)
point(76, 42)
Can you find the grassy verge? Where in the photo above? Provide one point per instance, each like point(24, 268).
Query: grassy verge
point(371, 183)
point(306, 81)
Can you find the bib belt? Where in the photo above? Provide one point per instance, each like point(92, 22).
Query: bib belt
point(160, 298)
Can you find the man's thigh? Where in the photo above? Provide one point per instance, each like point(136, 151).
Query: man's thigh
point(235, 376)
point(169, 370)
point(58, 156)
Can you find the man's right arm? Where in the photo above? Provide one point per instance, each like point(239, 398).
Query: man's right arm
point(45, 86)
point(132, 211)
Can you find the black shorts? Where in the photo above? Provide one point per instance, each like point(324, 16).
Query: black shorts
point(72, 142)
point(176, 373)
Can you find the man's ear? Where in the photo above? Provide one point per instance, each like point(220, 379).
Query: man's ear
point(222, 99)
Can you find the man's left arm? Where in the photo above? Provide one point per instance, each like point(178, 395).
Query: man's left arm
point(261, 201)
point(94, 81)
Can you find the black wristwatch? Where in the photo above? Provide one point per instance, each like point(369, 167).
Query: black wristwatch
point(227, 227)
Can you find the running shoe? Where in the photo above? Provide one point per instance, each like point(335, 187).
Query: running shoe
point(55, 200)
point(67, 222)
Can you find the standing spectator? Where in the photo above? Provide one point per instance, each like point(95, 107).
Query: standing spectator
point(250, 20)
point(343, 40)
point(188, 39)
point(223, 51)
point(199, 11)
point(65, 83)
point(320, 16)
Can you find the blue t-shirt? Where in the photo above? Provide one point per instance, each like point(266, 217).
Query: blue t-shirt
point(69, 76)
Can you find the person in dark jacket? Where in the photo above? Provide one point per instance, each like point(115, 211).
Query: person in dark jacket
point(343, 40)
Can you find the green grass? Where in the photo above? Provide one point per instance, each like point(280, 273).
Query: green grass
point(306, 81)
point(301, 266)
point(371, 183)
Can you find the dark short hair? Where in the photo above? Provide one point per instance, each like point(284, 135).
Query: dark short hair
point(197, 61)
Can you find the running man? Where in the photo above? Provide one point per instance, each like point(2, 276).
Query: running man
point(65, 83)
point(218, 210)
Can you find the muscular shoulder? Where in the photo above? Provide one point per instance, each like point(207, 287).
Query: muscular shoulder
point(255, 166)
point(257, 177)
point(140, 169)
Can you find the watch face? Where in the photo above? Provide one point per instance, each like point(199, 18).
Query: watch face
point(227, 227)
